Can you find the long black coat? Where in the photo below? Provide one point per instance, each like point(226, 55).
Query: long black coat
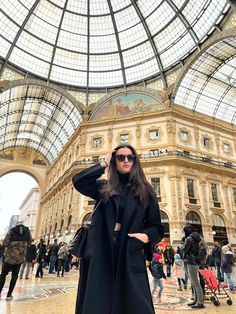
point(101, 291)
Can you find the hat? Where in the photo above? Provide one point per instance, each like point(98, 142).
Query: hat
point(157, 256)
point(188, 229)
point(177, 256)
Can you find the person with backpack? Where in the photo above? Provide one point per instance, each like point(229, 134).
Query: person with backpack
point(15, 243)
point(158, 274)
point(194, 253)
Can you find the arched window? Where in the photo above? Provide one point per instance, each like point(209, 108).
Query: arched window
point(55, 229)
point(85, 219)
point(69, 221)
point(193, 219)
point(218, 229)
point(62, 223)
point(218, 221)
point(165, 223)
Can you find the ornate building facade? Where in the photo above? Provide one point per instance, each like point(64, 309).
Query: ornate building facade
point(188, 158)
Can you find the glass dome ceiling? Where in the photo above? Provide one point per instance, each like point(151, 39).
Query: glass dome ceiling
point(103, 43)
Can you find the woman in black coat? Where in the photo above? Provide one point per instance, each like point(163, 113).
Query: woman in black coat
point(125, 226)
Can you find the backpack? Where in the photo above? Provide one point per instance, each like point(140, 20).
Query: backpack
point(202, 251)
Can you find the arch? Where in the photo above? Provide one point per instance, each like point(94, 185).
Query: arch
point(24, 101)
point(104, 100)
point(212, 66)
point(56, 88)
point(85, 218)
point(69, 222)
point(37, 173)
point(194, 219)
point(165, 223)
point(219, 230)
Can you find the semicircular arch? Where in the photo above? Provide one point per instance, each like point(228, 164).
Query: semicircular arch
point(207, 81)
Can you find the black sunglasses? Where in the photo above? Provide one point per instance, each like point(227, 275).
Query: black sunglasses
point(122, 157)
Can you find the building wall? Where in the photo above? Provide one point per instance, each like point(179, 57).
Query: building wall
point(29, 208)
point(176, 161)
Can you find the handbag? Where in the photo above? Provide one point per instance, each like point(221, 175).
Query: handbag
point(77, 244)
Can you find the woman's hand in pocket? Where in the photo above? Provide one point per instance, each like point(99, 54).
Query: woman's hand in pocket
point(140, 236)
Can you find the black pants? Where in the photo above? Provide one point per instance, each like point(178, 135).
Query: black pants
point(6, 268)
point(61, 266)
point(39, 272)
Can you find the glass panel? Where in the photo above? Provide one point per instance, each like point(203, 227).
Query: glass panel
point(155, 182)
point(214, 192)
point(190, 185)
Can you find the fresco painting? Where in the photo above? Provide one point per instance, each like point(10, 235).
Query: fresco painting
point(126, 104)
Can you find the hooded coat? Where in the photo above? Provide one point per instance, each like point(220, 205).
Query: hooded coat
point(16, 242)
point(178, 267)
point(190, 248)
point(110, 285)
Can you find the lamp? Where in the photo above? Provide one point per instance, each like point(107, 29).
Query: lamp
point(175, 230)
point(213, 232)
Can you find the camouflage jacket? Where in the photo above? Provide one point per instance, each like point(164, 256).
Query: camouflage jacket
point(15, 244)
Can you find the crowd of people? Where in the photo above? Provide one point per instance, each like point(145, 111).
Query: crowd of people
point(123, 232)
point(24, 258)
point(184, 263)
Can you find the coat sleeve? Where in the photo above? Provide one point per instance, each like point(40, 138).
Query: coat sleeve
point(153, 227)
point(86, 183)
point(185, 248)
point(6, 240)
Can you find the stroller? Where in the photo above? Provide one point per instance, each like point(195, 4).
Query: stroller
point(214, 288)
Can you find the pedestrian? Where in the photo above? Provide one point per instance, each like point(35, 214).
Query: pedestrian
point(124, 228)
point(52, 253)
point(216, 255)
point(41, 253)
point(158, 274)
point(15, 245)
point(178, 269)
point(228, 262)
point(29, 259)
point(190, 250)
point(62, 259)
point(169, 259)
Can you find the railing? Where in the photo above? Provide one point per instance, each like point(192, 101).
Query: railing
point(159, 154)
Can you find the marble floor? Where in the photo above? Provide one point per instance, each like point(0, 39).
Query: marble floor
point(56, 295)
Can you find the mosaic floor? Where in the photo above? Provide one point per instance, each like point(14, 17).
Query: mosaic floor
point(53, 295)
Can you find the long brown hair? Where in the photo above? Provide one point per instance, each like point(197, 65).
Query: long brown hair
point(137, 180)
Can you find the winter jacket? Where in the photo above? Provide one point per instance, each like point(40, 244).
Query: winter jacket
point(190, 248)
point(53, 249)
point(63, 253)
point(31, 253)
point(178, 268)
point(216, 254)
point(16, 242)
point(41, 252)
point(160, 271)
point(228, 262)
point(169, 255)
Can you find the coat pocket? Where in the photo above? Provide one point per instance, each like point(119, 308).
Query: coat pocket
point(136, 257)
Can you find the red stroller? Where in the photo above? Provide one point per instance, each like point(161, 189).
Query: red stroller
point(215, 288)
